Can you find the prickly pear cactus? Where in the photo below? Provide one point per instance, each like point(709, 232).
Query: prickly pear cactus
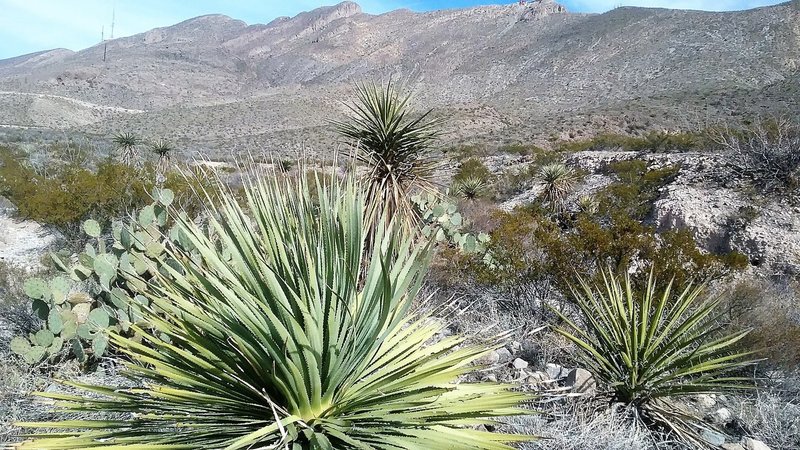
point(443, 221)
point(101, 290)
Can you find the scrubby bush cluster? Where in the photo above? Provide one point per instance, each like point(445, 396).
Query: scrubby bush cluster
point(767, 154)
point(75, 192)
point(654, 141)
point(531, 244)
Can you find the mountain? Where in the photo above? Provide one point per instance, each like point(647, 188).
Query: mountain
point(500, 73)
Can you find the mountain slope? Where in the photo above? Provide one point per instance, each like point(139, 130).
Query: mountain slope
point(501, 72)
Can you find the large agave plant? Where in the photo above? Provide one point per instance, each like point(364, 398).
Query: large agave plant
point(558, 181)
point(286, 335)
point(393, 146)
point(648, 350)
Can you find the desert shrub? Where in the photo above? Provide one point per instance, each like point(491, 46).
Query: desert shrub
point(654, 141)
point(772, 417)
point(636, 189)
point(14, 304)
point(646, 350)
point(72, 194)
point(767, 154)
point(772, 310)
point(523, 150)
point(528, 245)
point(472, 168)
point(515, 181)
point(463, 152)
point(287, 332)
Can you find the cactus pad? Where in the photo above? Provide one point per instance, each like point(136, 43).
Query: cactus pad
point(92, 228)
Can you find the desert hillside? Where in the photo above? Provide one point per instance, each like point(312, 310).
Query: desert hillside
point(500, 74)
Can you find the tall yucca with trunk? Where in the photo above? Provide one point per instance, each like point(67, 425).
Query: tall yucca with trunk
point(393, 146)
point(128, 144)
point(163, 150)
point(287, 335)
point(648, 349)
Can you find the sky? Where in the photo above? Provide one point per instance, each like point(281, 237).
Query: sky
point(28, 26)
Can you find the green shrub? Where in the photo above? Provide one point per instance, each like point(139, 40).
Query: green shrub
point(72, 194)
point(472, 168)
point(636, 189)
point(530, 244)
point(291, 331)
point(647, 350)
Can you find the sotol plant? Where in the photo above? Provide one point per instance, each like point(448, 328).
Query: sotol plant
point(285, 334)
point(647, 350)
point(393, 146)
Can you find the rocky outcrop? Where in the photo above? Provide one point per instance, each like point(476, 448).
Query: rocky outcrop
point(541, 8)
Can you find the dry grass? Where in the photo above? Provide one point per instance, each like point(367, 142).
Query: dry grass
point(577, 425)
point(772, 416)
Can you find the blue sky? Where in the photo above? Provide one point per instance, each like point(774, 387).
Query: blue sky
point(31, 25)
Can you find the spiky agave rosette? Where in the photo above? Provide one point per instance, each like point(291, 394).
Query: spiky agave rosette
point(285, 334)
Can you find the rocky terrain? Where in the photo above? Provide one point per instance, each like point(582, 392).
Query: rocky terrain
point(501, 73)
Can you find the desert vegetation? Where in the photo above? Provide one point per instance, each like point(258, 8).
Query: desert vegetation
point(378, 300)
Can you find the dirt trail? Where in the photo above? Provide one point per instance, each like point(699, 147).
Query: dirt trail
point(85, 104)
point(23, 242)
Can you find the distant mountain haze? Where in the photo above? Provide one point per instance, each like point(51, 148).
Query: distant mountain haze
point(500, 74)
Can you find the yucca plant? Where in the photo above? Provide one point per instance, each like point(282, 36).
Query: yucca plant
point(127, 143)
point(650, 349)
point(163, 150)
point(471, 188)
point(587, 204)
point(287, 334)
point(394, 146)
point(558, 181)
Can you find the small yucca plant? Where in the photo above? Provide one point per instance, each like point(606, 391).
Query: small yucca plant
point(648, 350)
point(471, 188)
point(286, 334)
point(393, 146)
point(558, 181)
point(587, 204)
point(128, 144)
